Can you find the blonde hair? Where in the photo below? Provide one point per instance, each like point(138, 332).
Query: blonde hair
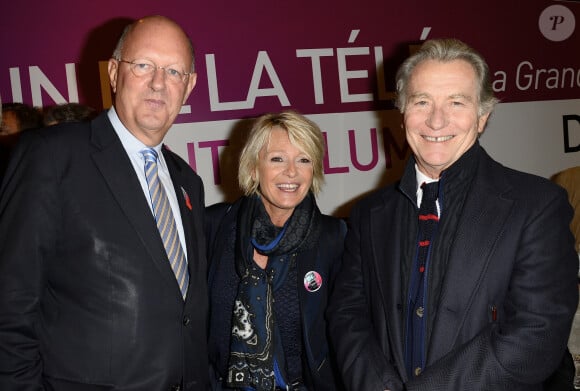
point(302, 132)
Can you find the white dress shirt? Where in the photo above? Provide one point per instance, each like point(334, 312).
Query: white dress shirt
point(133, 148)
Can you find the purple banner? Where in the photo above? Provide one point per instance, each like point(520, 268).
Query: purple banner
point(316, 57)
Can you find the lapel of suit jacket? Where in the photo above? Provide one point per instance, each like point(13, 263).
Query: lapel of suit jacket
point(385, 235)
point(112, 161)
point(310, 303)
point(484, 216)
point(188, 200)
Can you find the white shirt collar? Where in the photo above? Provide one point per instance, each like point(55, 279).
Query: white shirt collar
point(422, 178)
point(132, 144)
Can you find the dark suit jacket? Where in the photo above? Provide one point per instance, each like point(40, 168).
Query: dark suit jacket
point(88, 300)
point(319, 372)
point(512, 254)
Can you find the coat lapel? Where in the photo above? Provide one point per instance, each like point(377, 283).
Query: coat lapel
point(484, 217)
point(188, 200)
point(116, 168)
point(385, 245)
point(311, 304)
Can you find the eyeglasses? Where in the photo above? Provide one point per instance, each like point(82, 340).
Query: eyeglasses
point(141, 68)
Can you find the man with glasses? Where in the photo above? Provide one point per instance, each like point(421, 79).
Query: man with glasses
point(102, 259)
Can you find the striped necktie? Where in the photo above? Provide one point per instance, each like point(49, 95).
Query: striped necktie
point(165, 221)
point(417, 313)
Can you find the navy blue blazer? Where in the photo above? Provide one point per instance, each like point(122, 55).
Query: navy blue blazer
point(88, 300)
point(319, 371)
point(507, 299)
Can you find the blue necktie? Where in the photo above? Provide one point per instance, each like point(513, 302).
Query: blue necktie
point(165, 221)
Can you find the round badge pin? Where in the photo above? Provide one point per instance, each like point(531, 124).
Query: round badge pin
point(312, 281)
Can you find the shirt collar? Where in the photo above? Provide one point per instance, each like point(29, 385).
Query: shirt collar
point(422, 178)
point(131, 143)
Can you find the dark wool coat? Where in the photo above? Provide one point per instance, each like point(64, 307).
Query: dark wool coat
point(319, 372)
point(503, 291)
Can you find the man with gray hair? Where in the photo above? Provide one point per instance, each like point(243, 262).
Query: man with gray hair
point(462, 276)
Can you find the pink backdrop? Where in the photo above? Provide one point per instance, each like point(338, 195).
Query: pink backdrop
point(331, 60)
point(49, 35)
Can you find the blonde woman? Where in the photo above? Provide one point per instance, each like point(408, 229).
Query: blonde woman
point(273, 256)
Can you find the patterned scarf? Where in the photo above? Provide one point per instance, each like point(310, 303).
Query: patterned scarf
point(252, 364)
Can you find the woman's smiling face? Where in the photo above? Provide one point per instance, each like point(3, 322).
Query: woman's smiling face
point(285, 175)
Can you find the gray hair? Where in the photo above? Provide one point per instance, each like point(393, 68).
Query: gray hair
point(446, 50)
